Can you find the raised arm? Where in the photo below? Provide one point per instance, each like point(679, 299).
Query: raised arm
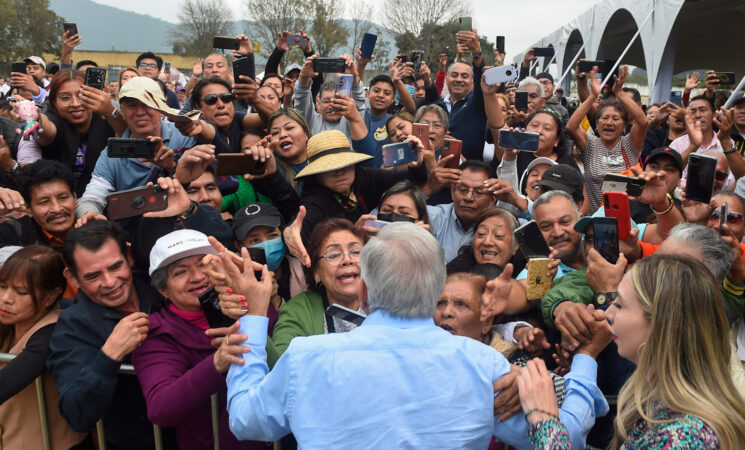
point(636, 113)
point(573, 125)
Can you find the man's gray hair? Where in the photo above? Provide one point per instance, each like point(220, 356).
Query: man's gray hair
point(550, 195)
point(718, 256)
point(404, 271)
point(530, 80)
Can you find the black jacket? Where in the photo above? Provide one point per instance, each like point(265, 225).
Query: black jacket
point(24, 231)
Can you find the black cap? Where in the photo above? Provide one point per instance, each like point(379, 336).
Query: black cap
point(544, 75)
point(738, 98)
point(666, 151)
point(563, 177)
point(255, 215)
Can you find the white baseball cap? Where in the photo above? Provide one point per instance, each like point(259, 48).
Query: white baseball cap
point(177, 245)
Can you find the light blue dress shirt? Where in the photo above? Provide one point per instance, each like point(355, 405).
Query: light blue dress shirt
point(390, 383)
point(448, 230)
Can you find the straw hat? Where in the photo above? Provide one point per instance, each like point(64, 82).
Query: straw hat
point(330, 150)
point(145, 90)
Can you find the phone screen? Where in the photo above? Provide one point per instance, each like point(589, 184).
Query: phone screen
point(211, 307)
point(700, 180)
point(531, 241)
point(722, 218)
point(523, 141)
point(605, 237)
point(401, 153)
point(500, 44)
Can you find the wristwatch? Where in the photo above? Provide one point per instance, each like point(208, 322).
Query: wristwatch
point(603, 298)
point(115, 114)
point(477, 54)
point(15, 168)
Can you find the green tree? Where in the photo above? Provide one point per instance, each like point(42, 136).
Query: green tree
point(199, 22)
point(439, 38)
point(268, 18)
point(27, 27)
point(327, 30)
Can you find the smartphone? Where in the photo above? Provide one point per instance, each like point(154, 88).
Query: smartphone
point(401, 153)
point(344, 84)
point(452, 147)
point(538, 280)
point(722, 218)
point(258, 255)
point(238, 164)
point(586, 66)
point(346, 314)
point(616, 204)
point(403, 58)
point(368, 45)
point(167, 67)
point(298, 40)
point(633, 187)
point(546, 52)
point(210, 302)
point(465, 24)
point(417, 56)
point(700, 180)
point(725, 78)
point(676, 97)
point(379, 224)
point(241, 66)
point(137, 201)
point(531, 241)
point(18, 66)
point(525, 141)
point(227, 43)
point(421, 131)
point(605, 238)
point(71, 27)
point(500, 44)
point(130, 148)
point(329, 65)
point(257, 48)
point(521, 101)
point(501, 74)
point(95, 77)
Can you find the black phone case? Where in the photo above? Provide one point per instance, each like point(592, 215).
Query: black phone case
point(700, 179)
point(211, 306)
point(521, 101)
point(18, 66)
point(328, 65)
point(531, 241)
point(95, 77)
point(130, 148)
point(500, 44)
point(241, 66)
point(69, 26)
point(137, 201)
point(226, 43)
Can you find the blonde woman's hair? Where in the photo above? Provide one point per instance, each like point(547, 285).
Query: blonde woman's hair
point(685, 362)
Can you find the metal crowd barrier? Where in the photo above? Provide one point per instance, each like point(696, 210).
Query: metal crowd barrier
point(127, 369)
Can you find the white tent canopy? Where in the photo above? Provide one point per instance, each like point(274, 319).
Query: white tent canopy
point(681, 35)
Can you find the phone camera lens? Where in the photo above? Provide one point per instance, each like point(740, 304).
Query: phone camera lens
point(138, 202)
point(508, 73)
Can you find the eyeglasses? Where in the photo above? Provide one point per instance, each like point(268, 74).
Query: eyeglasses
point(721, 176)
point(144, 65)
point(732, 217)
point(211, 99)
point(66, 99)
point(478, 193)
point(336, 257)
point(434, 125)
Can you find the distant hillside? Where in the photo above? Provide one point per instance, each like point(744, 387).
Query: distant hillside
point(106, 28)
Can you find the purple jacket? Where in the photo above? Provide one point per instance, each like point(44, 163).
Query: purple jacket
point(174, 366)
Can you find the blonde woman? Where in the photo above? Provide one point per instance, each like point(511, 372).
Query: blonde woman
point(669, 320)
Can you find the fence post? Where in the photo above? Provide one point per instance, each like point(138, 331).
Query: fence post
point(42, 401)
point(101, 437)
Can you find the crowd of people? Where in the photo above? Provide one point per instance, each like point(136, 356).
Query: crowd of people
point(326, 300)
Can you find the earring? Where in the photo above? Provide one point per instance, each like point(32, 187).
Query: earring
point(639, 350)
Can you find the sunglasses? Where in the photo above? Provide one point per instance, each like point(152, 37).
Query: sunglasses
point(732, 217)
point(211, 99)
point(720, 176)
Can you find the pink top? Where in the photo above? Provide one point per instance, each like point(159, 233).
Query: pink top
point(196, 318)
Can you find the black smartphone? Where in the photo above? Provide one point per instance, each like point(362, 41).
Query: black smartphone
point(238, 164)
point(525, 141)
point(346, 314)
point(95, 77)
point(726, 78)
point(403, 58)
point(258, 256)
point(368, 45)
point(546, 52)
point(136, 202)
point(586, 66)
point(676, 98)
point(241, 66)
point(71, 27)
point(500, 44)
point(210, 302)
point(329, 65)
point(700, 181)
point(521, 101)
point(227, 43)
point(632, 186)
point(722, 217)
point(605, 238)
point(130, 148)
point(18, 66)
point(531, 241)
point(417, 56)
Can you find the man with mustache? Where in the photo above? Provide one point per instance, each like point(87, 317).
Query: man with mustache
point(47, 194)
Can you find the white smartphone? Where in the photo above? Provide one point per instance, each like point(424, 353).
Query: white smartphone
point(502, 74)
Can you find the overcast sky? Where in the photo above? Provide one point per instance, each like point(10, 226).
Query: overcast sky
point(521, 21)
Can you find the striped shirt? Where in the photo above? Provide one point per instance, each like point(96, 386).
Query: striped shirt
point(599, 160)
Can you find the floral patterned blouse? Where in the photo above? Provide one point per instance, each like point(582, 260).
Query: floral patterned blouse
point(684, 431)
